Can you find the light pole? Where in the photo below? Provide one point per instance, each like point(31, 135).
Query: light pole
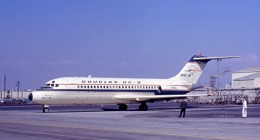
point(18, 87)
point(4, 86)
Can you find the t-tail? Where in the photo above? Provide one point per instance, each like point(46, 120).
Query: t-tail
point(192, 71)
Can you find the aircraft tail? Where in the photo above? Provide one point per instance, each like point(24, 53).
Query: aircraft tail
point(192, 71)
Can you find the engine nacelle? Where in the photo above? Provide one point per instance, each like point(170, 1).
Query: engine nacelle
point(170, 89)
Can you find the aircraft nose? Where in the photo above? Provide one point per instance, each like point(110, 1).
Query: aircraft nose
point(30, 97)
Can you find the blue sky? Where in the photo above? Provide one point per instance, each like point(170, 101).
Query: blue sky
point(41, 40)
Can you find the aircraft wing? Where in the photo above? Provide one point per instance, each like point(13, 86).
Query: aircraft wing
point(214, 58)
point(155, 97)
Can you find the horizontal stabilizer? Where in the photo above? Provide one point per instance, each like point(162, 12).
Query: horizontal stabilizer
point(214, 58)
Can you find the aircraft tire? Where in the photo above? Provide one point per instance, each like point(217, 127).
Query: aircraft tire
point(123, 107)
point(45, 110)
point(143, 107)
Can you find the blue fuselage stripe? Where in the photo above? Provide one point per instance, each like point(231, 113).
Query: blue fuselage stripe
point(156, 92)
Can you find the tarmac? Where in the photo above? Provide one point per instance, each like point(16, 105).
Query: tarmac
point(95, 122)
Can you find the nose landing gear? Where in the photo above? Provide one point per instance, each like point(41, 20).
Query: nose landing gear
point(45, 109)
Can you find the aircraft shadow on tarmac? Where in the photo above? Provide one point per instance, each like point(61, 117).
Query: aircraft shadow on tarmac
point(150, 109)
point(112, 107)
point(163, 112)
point(70, 110)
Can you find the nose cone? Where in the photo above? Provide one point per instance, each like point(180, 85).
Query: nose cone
point(30, 97)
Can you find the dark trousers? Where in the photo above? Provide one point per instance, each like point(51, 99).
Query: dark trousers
point(182, 111)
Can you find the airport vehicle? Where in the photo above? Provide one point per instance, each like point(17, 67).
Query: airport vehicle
point(122, 91)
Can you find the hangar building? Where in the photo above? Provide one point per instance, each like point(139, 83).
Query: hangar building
point(246, 78)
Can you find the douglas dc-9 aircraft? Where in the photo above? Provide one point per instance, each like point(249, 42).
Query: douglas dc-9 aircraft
point(122, 91)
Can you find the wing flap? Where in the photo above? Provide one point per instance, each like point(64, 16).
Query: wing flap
point(155, 97)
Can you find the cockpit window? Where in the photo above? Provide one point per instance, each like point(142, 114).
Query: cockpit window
point(48, 85)
point(57, 85)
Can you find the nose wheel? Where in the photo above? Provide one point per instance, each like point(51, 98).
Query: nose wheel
point(45, 109)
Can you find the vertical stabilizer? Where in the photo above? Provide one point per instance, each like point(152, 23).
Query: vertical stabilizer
point(192, 71)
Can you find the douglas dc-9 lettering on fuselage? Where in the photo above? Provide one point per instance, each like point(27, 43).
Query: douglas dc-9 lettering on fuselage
point(122, 91)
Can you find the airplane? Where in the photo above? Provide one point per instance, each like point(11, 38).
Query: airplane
point(122, 91)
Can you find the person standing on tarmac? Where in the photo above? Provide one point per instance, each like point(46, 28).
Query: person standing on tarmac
point(183, 107)
point(244, 108)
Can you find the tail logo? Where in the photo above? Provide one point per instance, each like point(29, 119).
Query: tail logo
point(190, 72)
point(192, 69)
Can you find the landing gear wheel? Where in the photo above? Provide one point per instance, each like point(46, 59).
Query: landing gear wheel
point(123, 107)
point(143, 107)
point(45, 110)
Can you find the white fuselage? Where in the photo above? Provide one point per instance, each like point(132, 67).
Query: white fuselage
point(88, 90)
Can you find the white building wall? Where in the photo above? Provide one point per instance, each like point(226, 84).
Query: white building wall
point(245, 80)
point(243, 84)
point(242, 74)
point(257, 82)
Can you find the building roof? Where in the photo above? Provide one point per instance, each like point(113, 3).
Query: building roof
point(249, 77)
point(248, 70)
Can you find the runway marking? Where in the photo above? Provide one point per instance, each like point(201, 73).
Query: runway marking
point(51, 134)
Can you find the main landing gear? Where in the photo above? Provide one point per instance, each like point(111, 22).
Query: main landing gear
point(123, 107)
point(45, 109)
point(142, 107)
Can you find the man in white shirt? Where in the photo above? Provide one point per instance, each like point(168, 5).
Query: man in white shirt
point(244, 109)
